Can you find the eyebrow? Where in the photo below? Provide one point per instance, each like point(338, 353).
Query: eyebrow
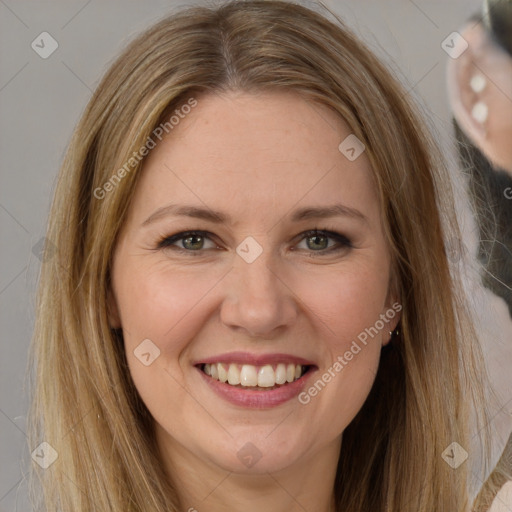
point(218, 217)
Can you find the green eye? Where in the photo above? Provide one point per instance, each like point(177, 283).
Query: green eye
point(191, 241)
point(320, 242)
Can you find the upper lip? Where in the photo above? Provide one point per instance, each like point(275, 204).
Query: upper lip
point(254, 359)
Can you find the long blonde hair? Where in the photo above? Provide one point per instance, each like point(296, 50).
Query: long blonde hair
point(85, 404)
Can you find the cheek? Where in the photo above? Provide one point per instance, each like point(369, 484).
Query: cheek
point(155, 302)
point(346, 300)
point(347, 307)
point(159, 312)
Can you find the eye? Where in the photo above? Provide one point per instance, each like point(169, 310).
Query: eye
point(317, 241)
point(191, 241)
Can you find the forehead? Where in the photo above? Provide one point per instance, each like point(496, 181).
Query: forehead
point(255, 155)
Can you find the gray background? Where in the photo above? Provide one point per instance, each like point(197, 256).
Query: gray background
point(42, 99)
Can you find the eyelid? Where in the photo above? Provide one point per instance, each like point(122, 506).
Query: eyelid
point(167, 242)
point(339, 237)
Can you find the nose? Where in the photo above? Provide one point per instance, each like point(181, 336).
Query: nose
point(258, 299)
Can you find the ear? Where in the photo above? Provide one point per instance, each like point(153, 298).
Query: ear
point(112, 310)
point(468, 86)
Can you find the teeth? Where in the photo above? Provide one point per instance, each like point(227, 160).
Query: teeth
point(266, 377)
point(223, 374)
point(233, 375)
point(248, 375)
point(290, 373)
point(281, 373)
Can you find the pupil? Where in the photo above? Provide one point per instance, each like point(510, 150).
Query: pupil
point(316, 237)
point(192, 237)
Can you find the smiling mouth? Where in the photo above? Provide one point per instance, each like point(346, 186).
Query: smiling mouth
point(251, 377)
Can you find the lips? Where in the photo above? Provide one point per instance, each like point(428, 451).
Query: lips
point(255, 370)
point(254, 359)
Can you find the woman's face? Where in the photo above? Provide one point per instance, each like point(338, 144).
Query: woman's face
point(254, 291)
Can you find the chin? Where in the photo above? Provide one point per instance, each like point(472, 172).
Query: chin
point(258, 452)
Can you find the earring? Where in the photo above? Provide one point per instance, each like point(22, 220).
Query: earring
point(480, 112)
point(478, 83)
point(394, 333)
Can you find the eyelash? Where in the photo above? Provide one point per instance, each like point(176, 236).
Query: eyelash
point(343, 242)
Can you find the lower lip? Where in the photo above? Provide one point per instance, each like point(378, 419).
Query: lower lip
point(257, 399)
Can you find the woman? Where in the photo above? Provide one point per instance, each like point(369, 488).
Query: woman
point(197, 347)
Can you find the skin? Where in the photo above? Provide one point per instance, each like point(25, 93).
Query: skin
point(257, 158)
point(484, 57)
